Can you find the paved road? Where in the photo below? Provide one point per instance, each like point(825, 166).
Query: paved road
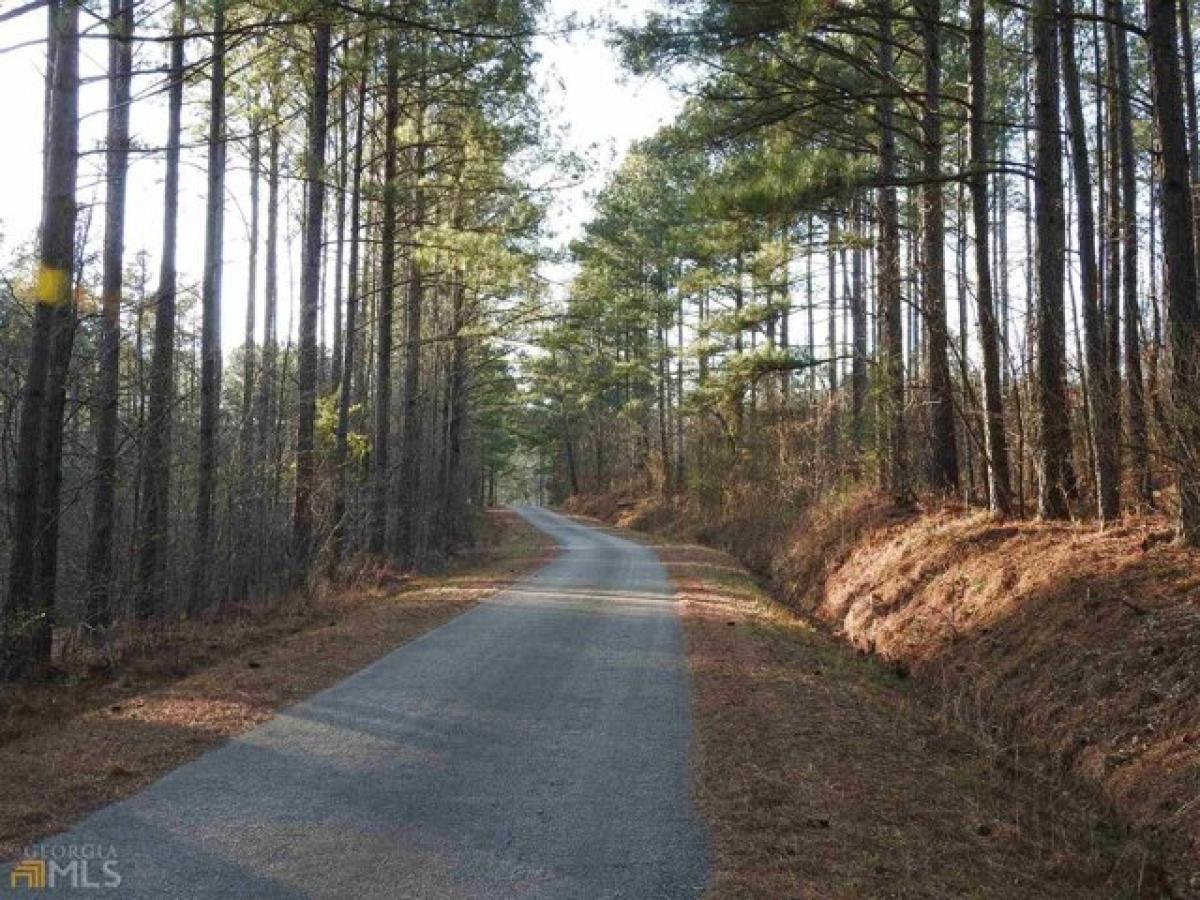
point(535, 746)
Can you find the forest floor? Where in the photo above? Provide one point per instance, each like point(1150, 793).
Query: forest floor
point(845, 753)
point(102, 730)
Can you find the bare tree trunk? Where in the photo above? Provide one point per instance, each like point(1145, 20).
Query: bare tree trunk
point(1101, 381)
point(1002, 245)
point(385, 293)
point(972, 418)
point(1189, 83)
point(49, 504)
point(831, 342)
point(664, 403)
point(99, 561)
point(139, 357)
point(351, 329)
point(303, 514)
point(1183, 310)
point(858, 326)
point(890, 300)
point(248, 348)
point(1109, 176)
point(343, 175)
point(680, 466)
point(831, 336)
point(456, 426)
point(944, 474)
point(245, 500)
point(151, 595)
point(1156, 339)
point(995, 440)
point(26, 621)
point(270, 350)
point(1055, 449)
point(1139, 440)
point(739, 345)
point(411, 508)
point(809, 310)
point(569, 446)
point(210, 334)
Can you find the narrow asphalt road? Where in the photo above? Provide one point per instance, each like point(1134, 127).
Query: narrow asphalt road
point(535, 746)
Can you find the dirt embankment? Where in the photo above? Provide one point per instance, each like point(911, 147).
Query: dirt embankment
point(1072, 650)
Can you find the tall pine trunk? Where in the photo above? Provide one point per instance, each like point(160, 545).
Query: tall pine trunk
point(339, 259)
point(303, 513)
point(944, 462)
point(155, 528)
point(858, 333)
point(26, 621)
point(831, 342)
point(995, 439)
point(99, 560)
point(891, 310)
point(1183, 308)
point(263, 403)
point(411, 508)
point(248, 345)
point(1055, 447)
point(210, 328)
point(1101, 381)
point(1135, 397)
point(349, 345)
point(1189, 83)
point(385, 293)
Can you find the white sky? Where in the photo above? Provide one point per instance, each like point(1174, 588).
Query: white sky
point(602, 109)
point(587, 97)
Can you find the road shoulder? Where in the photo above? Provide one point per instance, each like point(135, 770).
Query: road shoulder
point(71, 747)
point(821, 773)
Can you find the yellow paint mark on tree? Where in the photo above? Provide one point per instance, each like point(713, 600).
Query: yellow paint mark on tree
point(52, 288)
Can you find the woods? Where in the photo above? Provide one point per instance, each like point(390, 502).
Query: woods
point(152, 475)
point(979, 193)
point(948, 248)
point(338, 341)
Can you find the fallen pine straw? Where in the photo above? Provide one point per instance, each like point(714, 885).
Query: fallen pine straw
point(1067, 653)
point(821, 776)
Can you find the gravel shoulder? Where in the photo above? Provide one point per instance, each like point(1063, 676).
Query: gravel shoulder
point(822, 773)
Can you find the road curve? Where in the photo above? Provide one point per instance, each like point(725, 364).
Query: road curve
point(534, 747)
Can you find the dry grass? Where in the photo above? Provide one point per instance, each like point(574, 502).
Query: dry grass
point(822, 776)
point(1076, 643)
point(100, 733)
point(1068, 651)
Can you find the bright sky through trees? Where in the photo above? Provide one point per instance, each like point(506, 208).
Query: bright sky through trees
point(597, 108)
